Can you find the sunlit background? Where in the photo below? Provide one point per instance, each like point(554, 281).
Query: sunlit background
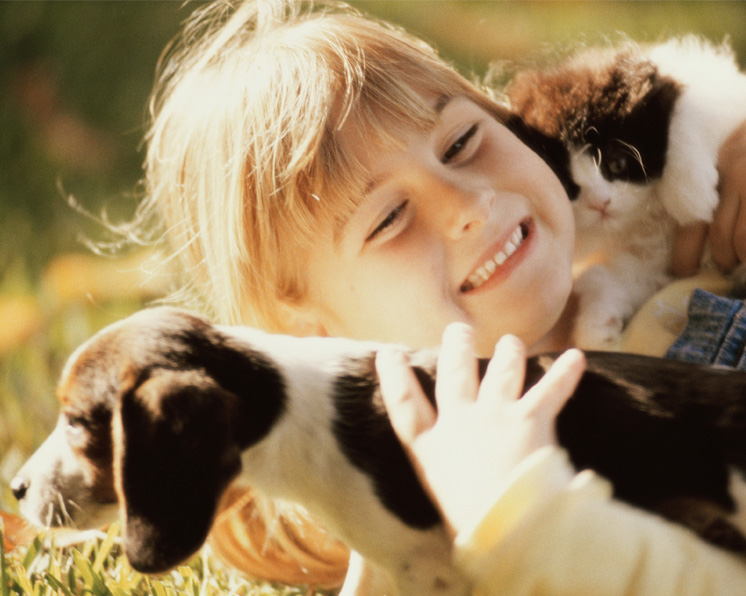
point(75, 78)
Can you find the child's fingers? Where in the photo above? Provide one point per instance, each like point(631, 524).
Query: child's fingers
point(554, 389)
point(721, 229)
point(728, 233)
point(409, 410)
point(688, 246)
point(458, 380)
point(506, 371)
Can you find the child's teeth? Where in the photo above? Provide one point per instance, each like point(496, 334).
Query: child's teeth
point(482, 274)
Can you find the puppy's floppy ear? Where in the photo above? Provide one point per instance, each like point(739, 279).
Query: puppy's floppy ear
point(175, 454)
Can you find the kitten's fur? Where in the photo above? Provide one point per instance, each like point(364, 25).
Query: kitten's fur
point(633, 133)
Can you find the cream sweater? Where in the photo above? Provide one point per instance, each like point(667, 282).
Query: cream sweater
point(557, 533)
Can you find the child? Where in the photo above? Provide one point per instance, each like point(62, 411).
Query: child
point(323, 173)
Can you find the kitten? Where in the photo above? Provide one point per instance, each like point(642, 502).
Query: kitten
point(633, 133)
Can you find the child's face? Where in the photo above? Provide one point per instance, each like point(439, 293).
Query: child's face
point(422, 249)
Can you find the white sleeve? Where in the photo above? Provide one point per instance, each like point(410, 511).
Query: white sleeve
point(558, 533)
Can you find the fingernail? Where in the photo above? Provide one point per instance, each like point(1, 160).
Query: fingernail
point(457, 329)
point(509, 340)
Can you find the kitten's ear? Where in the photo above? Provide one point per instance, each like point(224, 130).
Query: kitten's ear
point(552, 150)
point(174, 456)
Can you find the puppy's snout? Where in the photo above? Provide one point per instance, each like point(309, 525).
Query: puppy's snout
point(19, 487)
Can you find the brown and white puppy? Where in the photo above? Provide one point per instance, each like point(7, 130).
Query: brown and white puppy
point(160, 412)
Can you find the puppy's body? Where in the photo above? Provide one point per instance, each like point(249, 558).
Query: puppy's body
point(163, 411)
point(634, 134)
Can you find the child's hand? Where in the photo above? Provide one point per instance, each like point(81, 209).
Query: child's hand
point(728, 229)
point(464, 452)
point(688, 247)
point(727, 233)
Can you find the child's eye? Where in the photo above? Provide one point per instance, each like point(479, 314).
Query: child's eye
point(460, 143)
point(388, 221)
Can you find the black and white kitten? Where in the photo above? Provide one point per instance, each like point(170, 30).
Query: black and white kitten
point(633, 132)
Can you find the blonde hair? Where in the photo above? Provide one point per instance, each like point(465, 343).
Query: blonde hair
point(244, 153)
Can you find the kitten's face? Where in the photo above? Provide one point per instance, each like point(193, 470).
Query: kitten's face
point(614, 188)
point(611, 112)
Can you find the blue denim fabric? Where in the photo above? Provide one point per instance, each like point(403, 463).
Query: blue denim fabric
point(715, 332)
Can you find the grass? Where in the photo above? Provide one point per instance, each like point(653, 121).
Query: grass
point(96, 567)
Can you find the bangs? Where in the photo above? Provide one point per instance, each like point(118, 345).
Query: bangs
point(395, 93)
point(342, 178)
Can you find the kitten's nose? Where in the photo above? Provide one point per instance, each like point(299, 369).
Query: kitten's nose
point(600, 205)
point(19, 487)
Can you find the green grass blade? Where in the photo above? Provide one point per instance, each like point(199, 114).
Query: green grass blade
point(21, 578)
point(58, 585)
point(105, 549)
point(34, 549)
point(5, 587)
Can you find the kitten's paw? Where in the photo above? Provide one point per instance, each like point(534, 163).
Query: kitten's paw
point(594, 333)
point(690, 194)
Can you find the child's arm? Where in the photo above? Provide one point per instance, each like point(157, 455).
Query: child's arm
point(574, 538)
point(524, 521)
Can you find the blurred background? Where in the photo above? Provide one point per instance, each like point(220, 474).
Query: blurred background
point(75, 79)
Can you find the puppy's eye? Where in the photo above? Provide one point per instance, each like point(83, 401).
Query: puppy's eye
point(75, 421)
point(76, 431)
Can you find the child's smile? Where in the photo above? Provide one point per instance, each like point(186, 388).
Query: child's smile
point(463, 222)
point(497, 266)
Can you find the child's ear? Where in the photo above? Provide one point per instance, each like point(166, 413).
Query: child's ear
point(301, 320)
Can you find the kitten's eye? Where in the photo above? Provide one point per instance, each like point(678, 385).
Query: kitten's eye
point(388, 221)
point(460, 143)
point(618, 165)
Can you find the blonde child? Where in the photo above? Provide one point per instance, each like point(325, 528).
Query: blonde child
point(320, 173)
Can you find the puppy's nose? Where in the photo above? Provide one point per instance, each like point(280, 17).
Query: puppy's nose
point(19, 486)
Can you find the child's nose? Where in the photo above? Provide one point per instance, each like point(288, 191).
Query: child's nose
point(468, 209)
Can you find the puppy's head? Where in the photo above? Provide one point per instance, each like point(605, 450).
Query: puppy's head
point(148, 421)
point(68, 481)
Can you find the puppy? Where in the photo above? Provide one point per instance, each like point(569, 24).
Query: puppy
point(161, 411)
